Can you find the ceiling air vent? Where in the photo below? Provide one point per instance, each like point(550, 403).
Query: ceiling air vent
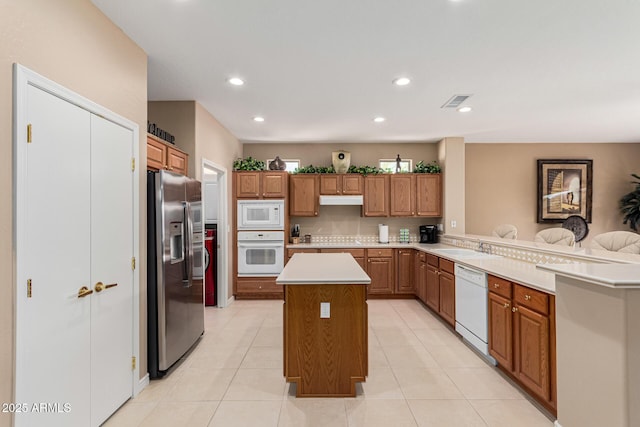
point(455, 101)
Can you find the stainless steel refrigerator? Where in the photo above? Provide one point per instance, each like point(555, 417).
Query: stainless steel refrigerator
point(175, 273)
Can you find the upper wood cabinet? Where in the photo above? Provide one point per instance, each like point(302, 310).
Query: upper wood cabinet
point(303, 195)
point(376, 195)
point(403, 194)
point(260, 184)
point(161, 155)
point(429, 195)
point(341, 184)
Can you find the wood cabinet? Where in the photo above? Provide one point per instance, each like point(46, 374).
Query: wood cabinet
point(440, 294)
point(357, 254)
point(522, 336)
point(403, 195)
point(291, 252)
point(405, 267)
point(303, 195)
point(341, 184)
point(380, 268)
point(260, 184)
point(421, 275)
point(428, 195)
point(376, 195)
point(258, 287)
point(161, 155)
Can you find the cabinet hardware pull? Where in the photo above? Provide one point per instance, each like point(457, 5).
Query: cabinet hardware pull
point(495, 285)
point(527, 297)
point(84, 291)
point(514, 309)
point(506, 305)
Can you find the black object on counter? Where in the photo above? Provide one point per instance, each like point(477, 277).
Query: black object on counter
point(428, 234)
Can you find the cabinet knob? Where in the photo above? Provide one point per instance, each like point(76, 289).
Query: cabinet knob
point(506, 305)
point(413, 213)
point(514, 309)
point(527, 297)
point(495, 285)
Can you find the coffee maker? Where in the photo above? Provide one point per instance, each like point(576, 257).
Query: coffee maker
point(428, 234)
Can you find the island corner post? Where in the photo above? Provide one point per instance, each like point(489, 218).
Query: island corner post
point(325, 324)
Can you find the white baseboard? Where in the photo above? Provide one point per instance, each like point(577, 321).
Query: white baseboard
point(144, 381)
point(556, 424)
point(231, 300)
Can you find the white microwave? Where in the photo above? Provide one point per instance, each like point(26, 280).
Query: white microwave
point(260, 215)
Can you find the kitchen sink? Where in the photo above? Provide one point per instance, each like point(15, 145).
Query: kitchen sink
point(463, 253)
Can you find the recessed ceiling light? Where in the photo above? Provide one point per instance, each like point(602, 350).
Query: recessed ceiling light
point(464, 109)
point(379, 119)
point(236, 81)
point(402, 81)
point(258, 119)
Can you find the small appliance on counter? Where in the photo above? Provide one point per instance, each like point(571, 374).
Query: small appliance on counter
point(404, 235)
point(428, 234)
point(383, 233)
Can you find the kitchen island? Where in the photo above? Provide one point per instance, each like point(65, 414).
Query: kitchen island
point(325, 324)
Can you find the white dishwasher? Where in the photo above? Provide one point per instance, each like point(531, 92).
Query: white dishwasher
point(471, 307)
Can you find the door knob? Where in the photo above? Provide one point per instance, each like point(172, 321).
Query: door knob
point(84, 291)
point(99, 287)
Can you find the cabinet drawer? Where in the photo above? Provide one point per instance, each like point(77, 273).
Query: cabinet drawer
point(258, 286)
point(290, 252)
point(380, 253)
point(432, 260)
point(356, 253)
point(446, 265)
point(422, 257)
point(531, 298)
point(499, 286)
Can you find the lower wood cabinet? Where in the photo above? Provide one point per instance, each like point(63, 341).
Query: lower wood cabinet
point(405, 283)
point(522, 337)
point(432, 291)
point(440, 288)
point(258, 288)
point(380, 268)
point(421, 275)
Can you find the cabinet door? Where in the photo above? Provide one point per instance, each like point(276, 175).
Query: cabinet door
point(247, 185)
point(402, 194)
point(376, 195)
point(156, 154)
point(330, 184)
point(177, 161)
point(500, 330)
point(531, 339)
point(274, 185)
point(422, 281)
point(433, 288)
point(381, 272)
point(448, 298)
point(303, 195)
point(429, 195)
point(405, 283)
point(352, 184)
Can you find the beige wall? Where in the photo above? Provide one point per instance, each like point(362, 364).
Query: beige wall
point(72, 43)
point(346, 220)
point(451, 157)
point(218, 145)
point(501, 185)
point(179, 119)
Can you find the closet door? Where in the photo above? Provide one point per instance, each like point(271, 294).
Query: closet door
point(111, 272)
point(53, 329)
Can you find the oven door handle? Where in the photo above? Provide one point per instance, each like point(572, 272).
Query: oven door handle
point(261, 245)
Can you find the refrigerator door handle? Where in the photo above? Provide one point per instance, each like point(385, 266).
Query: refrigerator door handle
point(186, 282)
point(188, 221)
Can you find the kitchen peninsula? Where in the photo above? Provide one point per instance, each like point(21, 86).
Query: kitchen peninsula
point(325, 324)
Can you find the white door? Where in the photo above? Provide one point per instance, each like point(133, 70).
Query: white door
point(53, 328)
point(74, 352)
point(111, 254)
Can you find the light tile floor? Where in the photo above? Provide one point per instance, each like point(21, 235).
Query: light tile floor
point(420, 374)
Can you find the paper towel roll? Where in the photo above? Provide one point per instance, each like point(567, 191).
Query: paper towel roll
point(383, 233)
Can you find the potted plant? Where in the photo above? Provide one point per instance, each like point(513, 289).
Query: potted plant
point(630, 206)
point(432, 167)
point(248, 164)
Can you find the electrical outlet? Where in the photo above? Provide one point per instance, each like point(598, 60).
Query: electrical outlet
point(440, 227)
point(453, 224)
point(325, 310)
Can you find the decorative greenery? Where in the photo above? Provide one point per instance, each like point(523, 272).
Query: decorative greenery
point(630, 206)
point(315, 169)
point(248, 164)
point(432, 167)
point(365, 170)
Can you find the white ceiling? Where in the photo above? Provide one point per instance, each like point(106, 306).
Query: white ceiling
point(539, 70)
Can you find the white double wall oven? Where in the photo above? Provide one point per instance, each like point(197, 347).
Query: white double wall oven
point(260, 237)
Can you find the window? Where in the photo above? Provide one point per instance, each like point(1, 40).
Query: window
point(389, 165)
point(292, 164)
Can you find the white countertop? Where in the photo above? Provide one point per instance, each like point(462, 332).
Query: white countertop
point(318, 269)
point(622, 276)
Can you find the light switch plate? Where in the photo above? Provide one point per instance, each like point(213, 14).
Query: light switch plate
point(325, 310)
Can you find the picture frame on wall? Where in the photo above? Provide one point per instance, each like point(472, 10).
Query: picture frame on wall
point(564, 189)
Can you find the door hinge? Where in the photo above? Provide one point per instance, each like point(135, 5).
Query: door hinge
point(133, 363)
point(28, 288)
point(133, 263)
point(29, 133)
point(133, 163)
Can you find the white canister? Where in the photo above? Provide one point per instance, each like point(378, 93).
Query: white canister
point(383, 233)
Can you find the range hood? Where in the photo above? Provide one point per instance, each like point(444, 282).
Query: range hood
point(341, 200)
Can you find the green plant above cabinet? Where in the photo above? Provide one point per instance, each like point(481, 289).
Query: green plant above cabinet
point(248, 164)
